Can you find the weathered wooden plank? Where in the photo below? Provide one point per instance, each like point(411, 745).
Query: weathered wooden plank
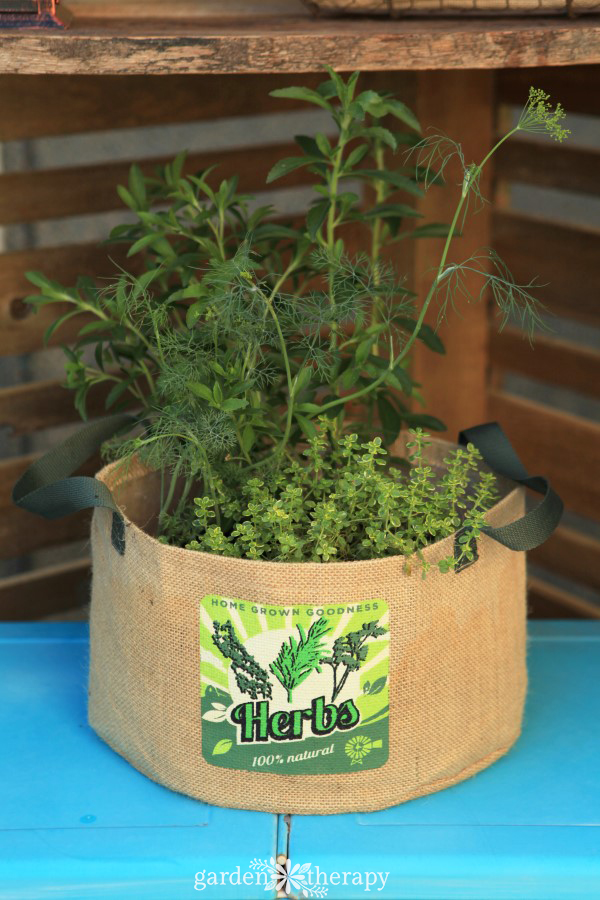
point(300, 44)
point(546, 601)
point(66, 104)
point(34, 196)
point(45, 404)
point(454, 385)
point(564, 258)
point(575, 86)
point(571, 554)
point(44, 591)
point(550, 359)
point(22, 532)
point(563, 447)
point(22, 330)
point(549, 165)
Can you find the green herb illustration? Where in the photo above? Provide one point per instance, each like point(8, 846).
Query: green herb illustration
point(251, 678)
point(350, 652)
point(297, 659)
point(360, 746)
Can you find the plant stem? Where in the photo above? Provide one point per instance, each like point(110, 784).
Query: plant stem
point(473, 177)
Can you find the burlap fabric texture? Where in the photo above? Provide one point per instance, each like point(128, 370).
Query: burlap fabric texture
point(457, 673)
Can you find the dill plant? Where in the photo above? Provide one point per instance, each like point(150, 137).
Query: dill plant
point(234, 330)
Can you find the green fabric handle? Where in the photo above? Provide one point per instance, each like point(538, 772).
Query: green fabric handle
point(535, 526)
point(47, 489)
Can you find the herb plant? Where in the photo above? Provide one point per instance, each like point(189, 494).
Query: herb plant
point(346, 503)
point(235, 331)
point(349, 653)
point(250, 676)
point(298, 658)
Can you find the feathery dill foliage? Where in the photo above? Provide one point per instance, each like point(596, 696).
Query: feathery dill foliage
point(236, 330)
point(298, 658)
point(346, 503)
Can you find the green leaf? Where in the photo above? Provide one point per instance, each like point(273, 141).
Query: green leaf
point(222, 746)
point(301, 93)
point(390, 418)
point(143, 242)
point(378, 685)
point(392, 211)
point(248, 438)
point(401, 380)
point(362, 351)
point(93, 327)
point(285, 166)
point(322, 142)
point(307, 427)
point(303, 378)
point(194, 312)
point(126, 197)
point(316, 216)
point(308, 144)
point(201, 390)
point(356, 156)
point(233, 403)
point(311, 408)
point(435, 230)
point(381, 134)
point(395, 179)
point(401, 112)
point(137, 185)
point(115, 393)
point(349, 378)
point(58, 323)
point(431, 339)
point(426, 334)
point(217, 392)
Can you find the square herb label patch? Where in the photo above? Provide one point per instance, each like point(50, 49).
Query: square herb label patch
point(294, 689)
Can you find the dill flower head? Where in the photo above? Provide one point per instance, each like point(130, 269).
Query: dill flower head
point(540, 116)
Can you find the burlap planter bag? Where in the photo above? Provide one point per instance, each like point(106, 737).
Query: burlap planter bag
point(182, 642)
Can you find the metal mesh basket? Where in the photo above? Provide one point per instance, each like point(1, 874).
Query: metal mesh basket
point(397, 8)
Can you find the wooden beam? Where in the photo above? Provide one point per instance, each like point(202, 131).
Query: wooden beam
point(44, 591)
point(551, 360)
point(299, 44)
point(454, 385)
point(571, 554)
point(54, 193)
point(563, 447)
point(546, 601)
point(66, 104)
point(564, 259)
point(45, 404)
point(549, 165)
point(22, 330)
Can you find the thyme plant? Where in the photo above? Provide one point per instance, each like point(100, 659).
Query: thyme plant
point(345, 502)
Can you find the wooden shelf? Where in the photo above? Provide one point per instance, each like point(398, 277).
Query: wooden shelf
point(181, 36)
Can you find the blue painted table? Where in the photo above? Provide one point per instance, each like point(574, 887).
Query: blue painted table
point(76, 821)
